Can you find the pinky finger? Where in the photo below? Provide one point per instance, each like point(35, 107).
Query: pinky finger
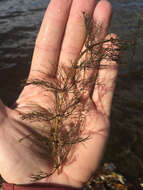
point(2, 112)
point(105, 84)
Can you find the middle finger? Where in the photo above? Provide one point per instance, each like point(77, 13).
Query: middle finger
point(75, 33)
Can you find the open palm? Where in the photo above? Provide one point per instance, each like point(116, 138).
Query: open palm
point(59, 42)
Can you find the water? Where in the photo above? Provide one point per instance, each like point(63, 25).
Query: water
point(20, 20)
point(19, 23)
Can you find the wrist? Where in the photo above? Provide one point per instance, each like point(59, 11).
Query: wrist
point(38, 186)
point(63, 180)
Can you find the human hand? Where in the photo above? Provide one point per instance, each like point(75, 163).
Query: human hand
point(59, 43)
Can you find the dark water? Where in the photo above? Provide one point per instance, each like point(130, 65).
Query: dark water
point(19, 23)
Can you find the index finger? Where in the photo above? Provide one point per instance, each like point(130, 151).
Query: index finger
point(49, 39)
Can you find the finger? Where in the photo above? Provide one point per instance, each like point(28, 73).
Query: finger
point(105, 84)
point(49, 39)
point(102, 17)
point(75, 33)
point(2, 112)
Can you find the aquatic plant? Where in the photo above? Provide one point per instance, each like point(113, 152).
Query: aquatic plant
point(62, 125)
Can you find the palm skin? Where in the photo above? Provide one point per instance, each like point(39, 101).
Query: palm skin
point(58, 41)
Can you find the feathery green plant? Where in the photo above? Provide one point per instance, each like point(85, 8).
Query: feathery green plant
point(64, 123)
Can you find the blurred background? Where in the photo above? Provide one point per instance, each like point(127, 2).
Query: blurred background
point(19, 23)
